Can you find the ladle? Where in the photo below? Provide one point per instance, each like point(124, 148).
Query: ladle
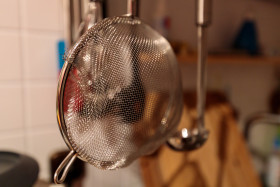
point(195, 138)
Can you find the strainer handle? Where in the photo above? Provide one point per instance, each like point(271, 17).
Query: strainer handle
point(133, 7)
point(65, 164)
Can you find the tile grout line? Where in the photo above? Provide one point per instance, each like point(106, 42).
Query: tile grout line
point(32, 30)
point(32, 81)
point(22, 82)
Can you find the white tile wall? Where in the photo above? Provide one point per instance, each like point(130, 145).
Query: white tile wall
point(40, 64)
point(12, 141)
point(11, 113)
point(40, 107)
point(42, 14)
point(29, 31)
point(10, 54)
point(9, 13)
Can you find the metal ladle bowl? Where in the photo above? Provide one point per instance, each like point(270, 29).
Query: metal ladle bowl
point(187, 140)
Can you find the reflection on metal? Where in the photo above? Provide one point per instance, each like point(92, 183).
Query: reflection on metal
point(93, 15)
point(75, 12)
point(203, 12)
point(133, 8)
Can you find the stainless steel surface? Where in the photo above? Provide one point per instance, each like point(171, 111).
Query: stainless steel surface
point(59, 102)
point(64, 166)
point(132, 8)
point(119, 93)
point(75, 16)
point(94, 14)
point(190, 139)
point(113, 87)
point(75, 12)
point(203, 12)
point(201, 76)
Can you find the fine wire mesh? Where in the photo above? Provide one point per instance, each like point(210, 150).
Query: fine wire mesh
point(122, 96)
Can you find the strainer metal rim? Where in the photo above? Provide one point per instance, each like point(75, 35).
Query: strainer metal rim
point(59, 102)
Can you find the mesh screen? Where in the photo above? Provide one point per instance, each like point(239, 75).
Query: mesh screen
point(122, 97)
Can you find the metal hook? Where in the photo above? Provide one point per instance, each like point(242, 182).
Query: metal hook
point(65, 164)
point(132, 8)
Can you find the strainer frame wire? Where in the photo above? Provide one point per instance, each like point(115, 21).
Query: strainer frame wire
point(61, 87)
point(59, 102)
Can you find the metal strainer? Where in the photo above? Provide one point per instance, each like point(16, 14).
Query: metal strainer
point(119, 94)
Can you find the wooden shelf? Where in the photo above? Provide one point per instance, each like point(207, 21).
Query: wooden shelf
point(232, 59)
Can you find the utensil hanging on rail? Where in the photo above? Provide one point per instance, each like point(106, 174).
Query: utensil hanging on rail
point(191, 139)
point(119, 94)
